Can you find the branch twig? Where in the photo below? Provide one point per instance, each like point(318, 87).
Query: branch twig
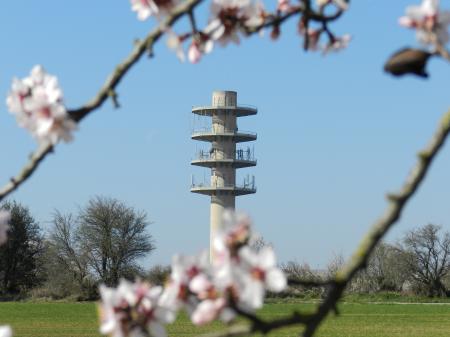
point(396, 205)
point(309, 283)
point(108, 90)
point(27, 170)
point(105, 92)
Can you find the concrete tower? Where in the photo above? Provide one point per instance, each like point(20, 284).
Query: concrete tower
point(223, 157)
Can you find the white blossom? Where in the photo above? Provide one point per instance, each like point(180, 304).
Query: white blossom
point(147, 8)
point(239, 268)
point(5, 217)
point(5, 331)
point(132, 308)
point(213, 296)
point(37, 103)
point(258, 274)
point(194, 53)
point(337, 44)
point(239, 278)
point(184, 269)
point(229, 15)
point(430, 23)
point(284, 6)
point(208, 310)
point(174, 42)
point(235, 229)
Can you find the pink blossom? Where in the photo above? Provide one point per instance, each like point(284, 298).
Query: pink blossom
point(37, 103)
point(5, 217)
point(131, 309)
point(430, 23)
point(147, 8)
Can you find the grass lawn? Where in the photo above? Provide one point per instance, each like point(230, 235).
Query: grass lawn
point(365, 320)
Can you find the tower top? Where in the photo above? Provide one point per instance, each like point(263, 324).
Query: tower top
point(224, 98)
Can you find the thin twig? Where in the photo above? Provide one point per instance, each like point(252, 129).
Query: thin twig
point(309, 283)
point(264, 327)
point(442, 51)
point(193, 22)
point(27, 170)
point(277, 20)
point(139, 50)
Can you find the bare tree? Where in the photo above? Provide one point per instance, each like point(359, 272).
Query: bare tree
point(427, 254)
point(299, 271)
point(158, 274)
point(64, 253)
point(386, 271)
point(113, 236)
point(336, 263)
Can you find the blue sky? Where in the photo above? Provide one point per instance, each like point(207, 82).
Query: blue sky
point(334, 133)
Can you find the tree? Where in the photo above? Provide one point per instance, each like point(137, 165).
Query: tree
point(385, 271)
point(105, 239)
point(65, 265)
point(158, 274)
point(427, 253)
point(20, 254)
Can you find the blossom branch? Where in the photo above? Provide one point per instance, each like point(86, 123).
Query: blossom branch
point(108, 90)
point(442, 51)
point(308, 283)
point(431, 26)
point(262, 326)
point(139, 50)
point(259, 325)
point(278, 19)
point(105, 92)
point(397, 202)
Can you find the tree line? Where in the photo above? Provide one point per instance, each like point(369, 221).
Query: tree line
point(103, 241)
point(100, 243)
point(417, 264)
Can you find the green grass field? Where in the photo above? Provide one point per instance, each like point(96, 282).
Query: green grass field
point(368, 320)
